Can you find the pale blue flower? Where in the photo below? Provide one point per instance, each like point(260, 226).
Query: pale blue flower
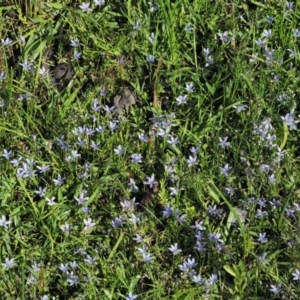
point(6, 42)
point(168, 211)
point(59, 181)
point(119, 150)
point(99, 2)
point(192, 161)
point(267, 33)
point(136, 158)
point(206, 51)
point(270, 19)
point(289, 5)
point(189, 87)
point(72, 279)
point(8, 263)
point(88, 224)
point(150, 58)
point(215, 237)
point(137, 25)
point(143, 137)
point(151, 38)
point(223, 142)
point(65, 228)
point(51, 201)
point(296, 32)
point(174, 191)
point(4, 223)
point(181, 99)
point(261, 43)
point(262, 238)
point(198, 279)
point(225, 170)
point(296, 275)
point(7, 154)
point(240, 108)
point(43, 71)
point(27, 66)
point(90, 260)
point(77, 54)
point(289, 120)
point(263, 258)
point(64, 267)
point(128, 205)
point(85, 7)
point(134, 219)
point(74, 43)
point(139, 239)
point(121, 60)
point(223, 36)
point(132, 185)
point(150, 181)
point(131, 296)
point(276, 288)
point(174, 249)
point(41, 191)
point(230, 191)
point(147, 257)
point(188, 27)
point(153, 6)
point(117, 222)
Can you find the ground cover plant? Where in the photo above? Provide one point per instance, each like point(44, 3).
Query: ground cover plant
point(149, 150)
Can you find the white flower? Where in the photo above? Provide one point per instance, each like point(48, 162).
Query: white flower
point(88, 223)
point(43, 72)
point(74, 43)
point(99, 2)
point(181, 99)
point(192, 161)
point(3, 222)
point(6, 42)
point(85, 7)
point(9, 263)
point(51, 201)
point(119, 150)
point(77, 54)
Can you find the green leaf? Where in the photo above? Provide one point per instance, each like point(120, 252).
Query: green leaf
point(229, 270)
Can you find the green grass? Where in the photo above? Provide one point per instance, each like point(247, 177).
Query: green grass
point(215, 198)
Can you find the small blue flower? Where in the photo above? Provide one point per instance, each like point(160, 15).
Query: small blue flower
point(223, 36)
point(181, 99)
point(188, 27)
point(77, 54)
point(276, 288)
point(131, 296)
point(8, 263)
point(74, 43)
point(6, 42)
point(174, 249)
point(85, 7)
point(262, 238)
point(151, 38)
point(189, 87)
point(296, 32)
point(270, 19)
point(99, 2)
point(150, 59)
point(296, 275)
point(137, 25)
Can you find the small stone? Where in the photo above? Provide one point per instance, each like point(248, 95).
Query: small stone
point(124, 99)
point(63, 71)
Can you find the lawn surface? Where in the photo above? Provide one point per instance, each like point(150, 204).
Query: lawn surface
point(149, 150)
